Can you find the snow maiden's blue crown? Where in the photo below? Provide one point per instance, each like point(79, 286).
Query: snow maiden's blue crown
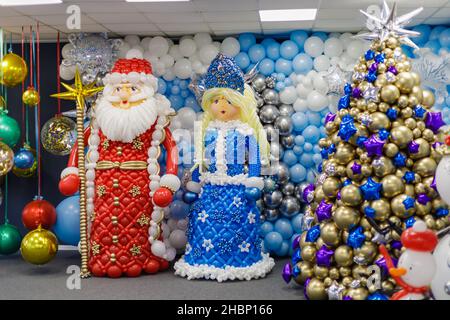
point(224, 73)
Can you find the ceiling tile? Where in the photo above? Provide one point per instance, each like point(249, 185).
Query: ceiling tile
point(61, 19)
point(221, 5)
point(234, 26)
point(287, 24)
point(16, 21)
point(120, 18)
point(108, 7)
point(442, 13)
point(45, 9)
point(183, 27)
point(164, 7)
point(85, 28)
point(8, 12)
point(235, 32)
point(341, 24)
point(287, 4)
point(434, 21)
point(165, 17)
point(230, 16)
point(126, 28)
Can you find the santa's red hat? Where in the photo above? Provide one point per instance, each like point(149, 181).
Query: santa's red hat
point(133, 71)
point(419, 238)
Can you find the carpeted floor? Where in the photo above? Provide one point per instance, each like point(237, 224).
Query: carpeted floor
point(20, 280)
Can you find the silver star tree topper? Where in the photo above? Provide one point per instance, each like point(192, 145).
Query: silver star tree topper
point(388, 24)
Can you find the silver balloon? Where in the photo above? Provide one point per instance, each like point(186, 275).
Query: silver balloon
point(270, 82)
point(272, 133)
point(280, 172)
point(288, 189)
point(299, 190)
point(259, 101)
point(270, 96)
point(259, 83)
point(286, 110)
point(290, 206)
point(268, 113)
point(276, 151)
point(288, 141)
point(273, 200)
point(269, 184)
point(271, 214)
point(284, 125)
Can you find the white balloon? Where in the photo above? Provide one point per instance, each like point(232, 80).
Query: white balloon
point(65, 52)
point(172, 223)
point(216, 44)
point(202, 38)
point(187, 117)
point(158, 248)
point(186, 37)
point(442, 276)
point(168, 60)
point(346, 37)
point(443, 178)
point(334, 61)
point(132, 40)
point(178, 239)
point(145, 42)
point(334, 35)
point(302, 91)
point(182, 224)
point(134, 53)
point(170, 42)
point(321, 63)
point(320, 84)
point(197, 66)
point(170, 254)
point(317, 101)
point(158, 46)
point(314, 46)
point(300, 105)
point(67, 72)
point(307, 82)
point(123, 50)
point(230, 46)
point(333, 47)
point(174, 51)
point(183, 68)
point(175, 124)
point(169, 75)
point(187, 47)
point(355, 49)
point(288, 95)
point(333, 103)
point(208, 53)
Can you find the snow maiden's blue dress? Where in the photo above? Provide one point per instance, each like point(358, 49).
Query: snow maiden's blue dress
point(224, 241)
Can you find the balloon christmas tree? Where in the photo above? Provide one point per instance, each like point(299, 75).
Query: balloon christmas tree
point(377, 176)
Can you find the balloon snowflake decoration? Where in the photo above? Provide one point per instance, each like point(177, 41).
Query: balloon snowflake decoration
point(336, 79)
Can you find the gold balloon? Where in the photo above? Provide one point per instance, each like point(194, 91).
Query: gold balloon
point(306, 271)
point(39, 246)
point(390, 93)
point(345, 271)
point(345, 217)
point(425, 167)
point(13, 70)
point(417, 92)
point(320, 272)
point(2, 103)
point(366, 252)
point(351, 195)
point(428, 98)
point(390, 149)
point(31, 97)
point(302, 241)
point(334, 273)
point(330, 234)
point(424, 149)
point(6, 159)
point(403, 101)
point(399, 209)
point(343, 255)
point(357, 293)
point(405, 82)
point(379, 120)
point(382, 209)
point(308, 253)
point(401, 136)
point(331, 187)
point(58, 135)
point(382, 166)
point(316, 290)
point(344, 153)
point(392, 186)
point(318, 194)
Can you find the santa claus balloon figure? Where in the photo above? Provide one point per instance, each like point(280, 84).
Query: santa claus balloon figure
point(126, 195)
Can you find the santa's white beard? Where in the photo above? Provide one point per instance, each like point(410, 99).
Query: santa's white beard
point(125, 124)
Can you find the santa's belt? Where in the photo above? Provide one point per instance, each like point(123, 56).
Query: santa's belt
point(126, 165)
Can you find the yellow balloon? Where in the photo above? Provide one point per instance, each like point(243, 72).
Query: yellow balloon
point(31, 97)
point(13, 70)
point(6, 158)
point(39, 246)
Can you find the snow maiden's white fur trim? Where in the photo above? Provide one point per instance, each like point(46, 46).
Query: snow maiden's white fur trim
point(202, 271)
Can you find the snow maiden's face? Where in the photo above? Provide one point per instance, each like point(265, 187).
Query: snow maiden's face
point(223, 110)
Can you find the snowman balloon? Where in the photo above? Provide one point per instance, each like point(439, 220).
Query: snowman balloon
point(441, 282)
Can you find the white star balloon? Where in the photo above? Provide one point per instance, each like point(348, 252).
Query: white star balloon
point(388, 24)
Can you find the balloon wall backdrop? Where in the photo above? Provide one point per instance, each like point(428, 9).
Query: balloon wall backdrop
point(300, 80)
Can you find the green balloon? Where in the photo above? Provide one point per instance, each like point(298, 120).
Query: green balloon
point(9, 130)
point(10, 239)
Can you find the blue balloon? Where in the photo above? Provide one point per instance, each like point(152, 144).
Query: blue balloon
point(424, 31)
point(320, 34)
point(162, 86)
point(246, 40)
point(266, 227)
point(297, 221)
point(273, 50)
point(317, 158)
point(256, 53)
point(308, 147)
point(289, 158)
point(302, 63)
point(299, 121)
point(283, 226)
point(242, 60)
point(299, 37)
point(306, 159)
point(444, 38)
point(284, 249)
point(266, 66)
point(311, 134)
point(434, 45)
point(184, 84)
point(314, 118)
point(273, 241)
point(288, 49)
point(176, 101)
point(267, 41)
point(280, 86)
point(179, 195)
point(67, 226)
point(288, 82)
point(24, 159)
point(297, 173)
point(191, 102)
point(298, 150)
point(283, 66)
point(179, 209)
point(175, 90)
point(436, 32)
point(299, 140)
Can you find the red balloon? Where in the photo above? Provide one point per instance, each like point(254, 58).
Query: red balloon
point(69, 185)
point(162, 197)
point(39, 212)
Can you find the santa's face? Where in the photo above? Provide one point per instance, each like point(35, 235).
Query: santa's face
point(126, 95)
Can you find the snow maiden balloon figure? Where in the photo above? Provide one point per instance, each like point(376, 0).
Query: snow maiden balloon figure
point(224, 223)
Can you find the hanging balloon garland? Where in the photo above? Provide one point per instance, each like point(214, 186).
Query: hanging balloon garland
point(40, 245)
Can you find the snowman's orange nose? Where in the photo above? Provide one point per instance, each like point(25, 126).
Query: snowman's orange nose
point(397, 272)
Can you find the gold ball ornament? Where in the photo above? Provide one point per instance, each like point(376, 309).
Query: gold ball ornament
point(403, 101)
point(428, 98)
point(345, 217)
point(382, 166)
point(330, 234)
point(31, 97)
point(318, 194)
point(390, 149)
point(392, 186)
point(351, 195)
point(379, 121)
point(382, 209)
point(399, 208)
point(390, 93)
point(343, 255)
point(331, 187)
point(424, 149)
point(13, 70)
point(425, 167)
point(6, 159)
point(334, 273)
point(344, 153)
point(320, 272)
point(39, 246)
point(366, 252)
point(405, 82)
point(417, 92)
point(357, 293)
point(308, 253)
point(401, 136)
point(306, 271)
point(58, 135)
point(315, 290)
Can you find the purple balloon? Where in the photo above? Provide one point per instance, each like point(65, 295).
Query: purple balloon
point(323, 256)
point(287, 272)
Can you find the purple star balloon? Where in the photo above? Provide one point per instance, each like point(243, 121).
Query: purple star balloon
point(413, 147)
point(374, 146)
point(323, 256)
point(356, 168)
point(423, 199)
point(433, 121)
point(356, 93)
point(433, 184)
point(323, 210)
point(287, 272)
point(304, 288)
point(330, 117)
point(308, 193)
point(392, 69)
